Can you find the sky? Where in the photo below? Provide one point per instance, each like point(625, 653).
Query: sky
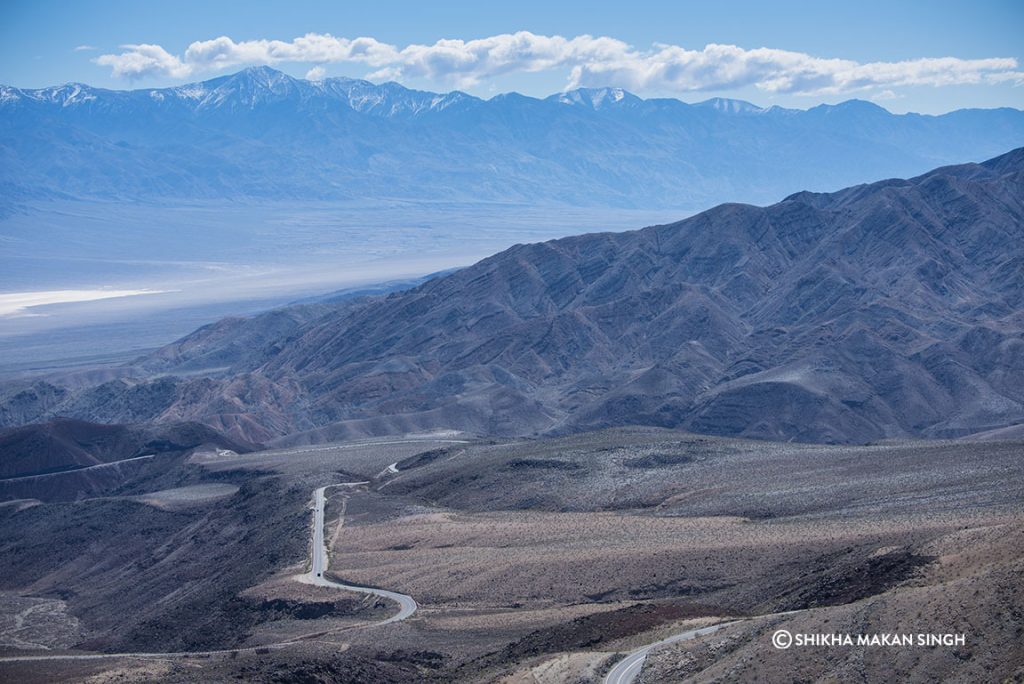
point(928, 57)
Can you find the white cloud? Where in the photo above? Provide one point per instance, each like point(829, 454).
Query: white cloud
point(312, 47)
point(587, 61)
point(466, 63)
point(85, 48)
point(722, 67)
point(317, 73)
point(139, 61)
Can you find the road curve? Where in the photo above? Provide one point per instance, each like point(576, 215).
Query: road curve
point(318, 564)
point(627, 669)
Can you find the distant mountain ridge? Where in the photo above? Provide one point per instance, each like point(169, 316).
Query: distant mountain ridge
point(261, 86)
point(251, 88)
point(260, 134)
point(894, 309)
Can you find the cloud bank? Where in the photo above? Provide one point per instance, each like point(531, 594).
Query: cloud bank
point(586, 60)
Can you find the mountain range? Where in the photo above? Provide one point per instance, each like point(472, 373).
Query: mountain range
point(260, 134)
point(894, 309)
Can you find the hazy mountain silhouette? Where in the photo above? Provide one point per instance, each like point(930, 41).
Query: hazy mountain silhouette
point(262, 134)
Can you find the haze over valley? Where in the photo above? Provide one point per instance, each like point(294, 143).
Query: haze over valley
point(210, 259)
point(255, 189)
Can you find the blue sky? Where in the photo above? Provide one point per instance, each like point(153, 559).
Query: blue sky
point(908, 56)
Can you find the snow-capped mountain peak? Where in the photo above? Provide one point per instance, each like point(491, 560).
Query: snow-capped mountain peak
point(730, 106)
point(596, 98)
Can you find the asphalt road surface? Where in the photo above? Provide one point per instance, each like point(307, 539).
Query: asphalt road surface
point(319, 562)
point(627, 669)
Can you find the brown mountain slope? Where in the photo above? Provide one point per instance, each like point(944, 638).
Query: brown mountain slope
point(883, 310)
point(66, 444)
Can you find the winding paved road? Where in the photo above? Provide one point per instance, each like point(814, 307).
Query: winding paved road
point(627, 669)
point(319, 563)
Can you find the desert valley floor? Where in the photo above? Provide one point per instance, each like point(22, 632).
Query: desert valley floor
point(542, 560)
